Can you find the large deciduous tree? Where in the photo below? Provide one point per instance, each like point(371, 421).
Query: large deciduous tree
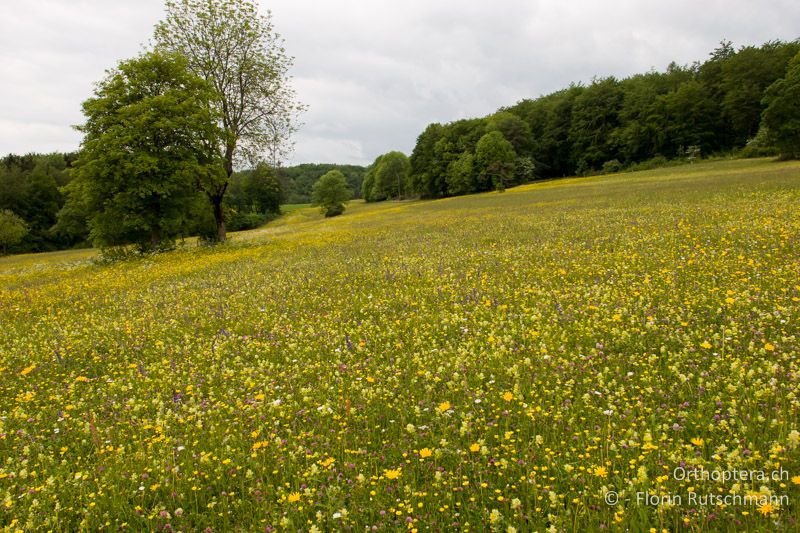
point(148, 137)
point(495, 157)
point(391, 175)
point(235, 49)
point(331, 193)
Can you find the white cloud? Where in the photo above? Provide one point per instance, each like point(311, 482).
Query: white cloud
point(376, 73)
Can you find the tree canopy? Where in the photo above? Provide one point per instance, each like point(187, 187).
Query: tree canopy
point(331, 193)
point(149, 137)
point(235, 49)
point(12, 229)
point(782, 114)
point(387, 177)
point(30, 187)
point(495, 159)
point(609, 124)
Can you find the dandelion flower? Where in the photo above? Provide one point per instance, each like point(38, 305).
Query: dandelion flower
point(766, 508)
point(392, 474)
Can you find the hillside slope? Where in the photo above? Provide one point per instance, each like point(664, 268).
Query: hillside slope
point(499, 360)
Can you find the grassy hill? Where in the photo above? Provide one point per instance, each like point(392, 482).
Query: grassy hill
point(505, 360)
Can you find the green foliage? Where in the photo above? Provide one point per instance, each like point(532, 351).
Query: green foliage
point(745, 78)
point(368, 189)
point(782, 114)
point(688, 116)
point(236, 50)
point(423, 161)
point(29, 186)
point(760, 146)
point(387, 177)
point(148, 139)
point(461, 175)
point(331, 193)
point(256, 191)
point(714, 106)
point(513, 128)
point(437, 147)
point(524, 169)
point(253, 198)
point(494, 157)
point(12, 229)
point(594, 116)
point(297, 181)
point(612, 166)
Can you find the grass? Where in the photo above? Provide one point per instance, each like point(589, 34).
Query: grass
point(499, 361)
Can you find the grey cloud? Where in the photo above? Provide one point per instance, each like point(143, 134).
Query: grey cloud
point(376, 73)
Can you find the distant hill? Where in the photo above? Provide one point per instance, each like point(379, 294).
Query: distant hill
point(298, 180)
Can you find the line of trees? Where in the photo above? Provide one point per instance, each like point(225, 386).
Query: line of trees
point(298, 181)
point(34, 189)
point(737, 99)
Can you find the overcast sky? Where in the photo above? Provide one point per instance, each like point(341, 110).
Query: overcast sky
point(375, 73)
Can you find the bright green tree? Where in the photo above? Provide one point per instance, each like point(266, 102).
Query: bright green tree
point(369, 191)
point(391, 175)
point(148, 139)
point(461, 175)
point(330, 193)
point(422, 160)
point(514, 129)
point(236, 50)
point(12, 229)
point(782, 115)
point(495, 158)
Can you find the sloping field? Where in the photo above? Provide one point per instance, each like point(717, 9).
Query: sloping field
point(576, 354)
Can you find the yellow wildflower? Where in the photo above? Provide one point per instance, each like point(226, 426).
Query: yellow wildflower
point(392, 474)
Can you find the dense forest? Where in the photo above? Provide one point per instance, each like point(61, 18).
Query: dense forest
point(685, 112)
point(30, 187)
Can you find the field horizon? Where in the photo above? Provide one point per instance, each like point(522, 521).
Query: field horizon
point(567, 355)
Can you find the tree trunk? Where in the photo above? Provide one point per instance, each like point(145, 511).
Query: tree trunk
point(155, 238)
point(219, 217)
point(216, 199)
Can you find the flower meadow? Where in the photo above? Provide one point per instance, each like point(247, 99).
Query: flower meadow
point(575, 355)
